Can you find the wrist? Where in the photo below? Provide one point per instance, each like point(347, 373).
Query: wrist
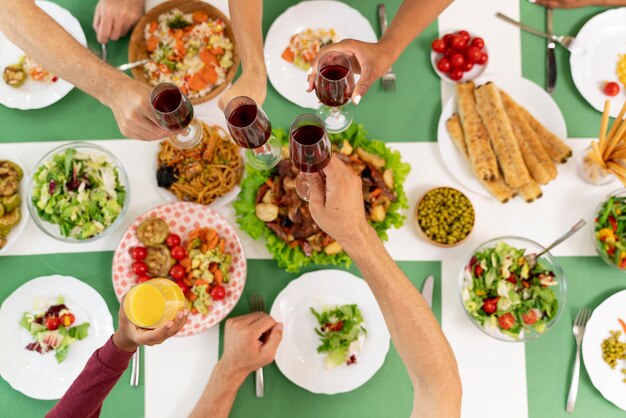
point(362, 238)
point(231, 375)
point(119, 83)
point(123, 343)
point(388, 49)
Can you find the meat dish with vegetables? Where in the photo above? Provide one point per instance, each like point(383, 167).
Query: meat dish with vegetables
point(10, 213)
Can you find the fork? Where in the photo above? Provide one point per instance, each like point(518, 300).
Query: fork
point(389, 78)
point(134, 369)
point(565, 41)
point(579, 330)
point(257, 304)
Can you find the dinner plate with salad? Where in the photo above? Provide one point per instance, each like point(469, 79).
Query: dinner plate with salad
point(297, 35)
point(335, 337)
point(25, 83)
point(51, 326)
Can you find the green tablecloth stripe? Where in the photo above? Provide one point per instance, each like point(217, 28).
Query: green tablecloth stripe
point(549, 359)
point(95, 270)
point(388, 394)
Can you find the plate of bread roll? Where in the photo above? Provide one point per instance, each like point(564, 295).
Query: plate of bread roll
point(503, 137)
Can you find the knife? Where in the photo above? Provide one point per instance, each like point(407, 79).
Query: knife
point(427, 290)
point(550, 59)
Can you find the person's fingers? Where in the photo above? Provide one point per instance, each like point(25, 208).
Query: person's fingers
point(317, 192)
point(364, 84)
point(118, 27)
point(166, 331)
point(273, 339)
point(103, 32)
point(97, 17)
point(342, 46)
point(262, 324)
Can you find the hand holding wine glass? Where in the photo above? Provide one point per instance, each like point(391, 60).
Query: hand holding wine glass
point(174, 112)
point(334, 85)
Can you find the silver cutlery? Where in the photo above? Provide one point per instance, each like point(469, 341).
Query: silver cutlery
point(134, 369)
point(257, 304)
point(427, 290)
point(389, 78)
point(565, 41)
point(103, 52)
point(532, 258)
point(133, 64)
point(579, 330)
point(550, 58)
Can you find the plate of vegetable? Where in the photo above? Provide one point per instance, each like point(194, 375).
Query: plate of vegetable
point(506, 298)
point(335, 337)
point(268, 206)
point(610, 229)
point(78, 193)
point(13, 209)
point(195, 247)
point(52, 325)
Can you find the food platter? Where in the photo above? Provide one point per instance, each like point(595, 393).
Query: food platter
point(15, 233)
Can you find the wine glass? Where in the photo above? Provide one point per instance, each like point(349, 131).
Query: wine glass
point(174, 112)
point(252, 130)
point(310, 150)
point(334, 84)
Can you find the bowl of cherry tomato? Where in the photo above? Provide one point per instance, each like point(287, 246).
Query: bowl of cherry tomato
point(459, 56)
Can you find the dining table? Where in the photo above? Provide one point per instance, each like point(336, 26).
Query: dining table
point(516, 380)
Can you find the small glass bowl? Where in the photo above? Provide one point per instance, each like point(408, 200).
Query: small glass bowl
point(599, 248)
point(547, 260)
point(592, 172)
point(53, 230)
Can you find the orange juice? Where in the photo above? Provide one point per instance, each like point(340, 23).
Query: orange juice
point(153, 303)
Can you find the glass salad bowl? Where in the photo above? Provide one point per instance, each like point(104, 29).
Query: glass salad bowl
point(511, 301)
point(607, 229)
point(78, 193)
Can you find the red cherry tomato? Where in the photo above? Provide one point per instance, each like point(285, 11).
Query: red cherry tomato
point(611, 88)
point(455, 74)
point(512, 279)
point(139, 268)
point(67, 319)
point(438, 45)
point(506, 321)
point(490, 305)
point(178, 272)
point(478, 43)
point(138, 253)
point(448, 39)
point(457, 60)
point(448, 52)
point(178, 253)
point(218, 292)
point(52, 323)
point(464, 34)
point(336, 327)
point(459, 43)
point(183, 287)
point(444, 65)
point(143, 278)
point(172, 240)
point(478, 270)
point(483, 59)
point(473, 54)
point(467, 66)
point(529, 317)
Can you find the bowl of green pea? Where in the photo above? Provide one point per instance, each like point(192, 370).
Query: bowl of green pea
point(444, 216)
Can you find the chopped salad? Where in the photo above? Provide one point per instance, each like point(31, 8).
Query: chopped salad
point(15, 75)
point(189, 50)
point(304, 46)
point(501, 292)
point(54, 329)
point(79, 191)
point(610, 231)
point(341, 333)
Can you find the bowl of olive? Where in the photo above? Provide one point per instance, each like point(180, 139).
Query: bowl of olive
point(444, 216)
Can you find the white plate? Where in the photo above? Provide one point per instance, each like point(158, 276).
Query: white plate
point(39, 376)
point(600, 41)
point(289, 80)
point(5, 154)
point(297, 357)
point(539, 103)
point(35, 94)
point(604, 319)
point(171, 197)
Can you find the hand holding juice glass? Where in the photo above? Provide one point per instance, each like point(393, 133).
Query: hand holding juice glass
point(153, 303)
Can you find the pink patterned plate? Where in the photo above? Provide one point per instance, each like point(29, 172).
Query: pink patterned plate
point(182, 218)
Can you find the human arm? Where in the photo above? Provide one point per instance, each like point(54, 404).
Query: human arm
point(372, 60)
point(570, 4)
point(336, 204)
point(85, 397)
point(246, 17)
point(114, 18)
point(250, 342)
point(46, 41)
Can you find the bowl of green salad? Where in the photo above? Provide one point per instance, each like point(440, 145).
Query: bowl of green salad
point(505, 296)
point(78, 192)
point(609, 232)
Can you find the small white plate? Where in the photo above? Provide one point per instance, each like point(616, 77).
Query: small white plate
point(473, 74)
point(15, 233)
point(604, 319)
point(40, 376)
point(220, 201)
point(601, 40)
point(289, 80)
point(297, 357)
point(539, 103)
point(36, 94)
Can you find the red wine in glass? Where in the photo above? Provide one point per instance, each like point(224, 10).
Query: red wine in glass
point(174, 112)
point(334, 85)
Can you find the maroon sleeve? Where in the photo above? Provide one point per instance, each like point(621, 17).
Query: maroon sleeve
point(85, 397)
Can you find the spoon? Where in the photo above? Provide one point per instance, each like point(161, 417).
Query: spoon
point(133, 64)
point(531, 259)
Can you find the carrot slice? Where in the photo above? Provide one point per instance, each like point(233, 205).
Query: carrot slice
point(218, 277)
point(208, 74)
point(288, 55)
point(178, 34)
point(200, 282)
point(217, 50)
point(192, 297)
point(213, 243)
point(152, 44)
point(623, 324)
point(222, 246)
point(196, 83)
point(208, 58)
point(153, 26)
point(200, 17)
point(194, 311)
point(213, 267)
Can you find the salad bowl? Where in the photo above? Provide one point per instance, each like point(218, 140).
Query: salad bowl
point(504, 297)
point(607, 230)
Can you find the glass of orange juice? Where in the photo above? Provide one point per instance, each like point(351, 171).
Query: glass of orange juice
point(153, 303)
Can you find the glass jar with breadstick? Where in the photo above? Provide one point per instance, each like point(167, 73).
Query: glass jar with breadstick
point(605, 159)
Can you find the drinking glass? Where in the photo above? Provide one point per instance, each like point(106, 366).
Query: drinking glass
point(174, 112)
point(251, 129)
point(334, 84)
point(310, 150)
point(153, 303)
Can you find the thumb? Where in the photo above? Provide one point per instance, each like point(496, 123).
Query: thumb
point(274, 338)
point(364, 84)
point(317, 193)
